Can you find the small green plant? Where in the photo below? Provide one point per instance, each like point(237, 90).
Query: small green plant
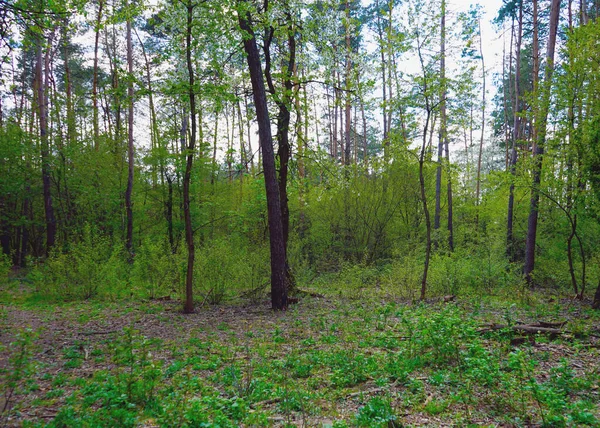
point(19, 370)
point(140, 374)
point(377, 412)
point(90, 266)
point(155, 269)
point(5, 267)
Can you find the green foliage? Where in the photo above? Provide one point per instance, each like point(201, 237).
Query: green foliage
point(92, 266)
point(225, 268)
point(156, 269)
point(5, 268)
point(18, 373)
point(377, 412)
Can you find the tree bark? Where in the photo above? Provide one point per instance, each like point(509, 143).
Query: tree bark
point(480, 155)
point(95, 76)
point(42, 77)
point(130, 154)
point(188, 306)
point(276, 237)
point(510, 239)
point(442, 130)
point(541, 121)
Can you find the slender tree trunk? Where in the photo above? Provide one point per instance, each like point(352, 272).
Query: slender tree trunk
point(71, 131)
point(510, 239)
point(384, 106)
point(95, 76)
point(214, 153)
point(154, 133)
point(596, 303)
point(278, 257)
point(188, 306)
point(425, 209)
point(428, 110)
point(42, 77)
point(301, 133)
point(5, 229)
point(442, 131)
point(483, 101)
point(248, 132)
point(243, 153)
point(130, 154)
point(347, 78)
point(541, 122)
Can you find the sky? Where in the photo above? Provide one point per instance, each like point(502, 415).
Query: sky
point(492, 46)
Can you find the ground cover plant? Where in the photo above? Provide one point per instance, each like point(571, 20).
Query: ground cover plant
point(299, 213)
point(327, 361)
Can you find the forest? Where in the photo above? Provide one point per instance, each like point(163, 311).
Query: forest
point(334, 213)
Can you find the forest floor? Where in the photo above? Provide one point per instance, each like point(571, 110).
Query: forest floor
point(327, 361)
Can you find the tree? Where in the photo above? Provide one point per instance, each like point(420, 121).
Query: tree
point(540, 141)
point(276, 238)
point(189, 231)
point(130, 147)
point(510, 239)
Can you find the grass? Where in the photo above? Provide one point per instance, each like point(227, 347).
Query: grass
point(325, 362)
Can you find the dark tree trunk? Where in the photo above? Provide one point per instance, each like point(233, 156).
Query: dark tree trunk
point(95, 77)
point(540, 144)
point(442, 132)
point(71, 130)
point(189, 232)
point(347, 77)
point(480, 155)
point(4, 227)
point(510, 239)
point(42, 77)
point(276, 237)
point(169, 212)
point(130, 160)
point(596, 303)
point(425, 208)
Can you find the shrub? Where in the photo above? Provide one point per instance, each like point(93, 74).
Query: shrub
point(155, 269)
point(91, 266)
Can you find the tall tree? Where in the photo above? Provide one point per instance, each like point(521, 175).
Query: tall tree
point(130, 147)
point(279, 299)
point(42, 79)
point(510, 239)
point(188, 306)
point(540, 142)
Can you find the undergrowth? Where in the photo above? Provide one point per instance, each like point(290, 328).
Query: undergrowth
point(350, 364)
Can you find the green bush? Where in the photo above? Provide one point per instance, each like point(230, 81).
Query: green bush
point(156, 269)
point(90, 267)
point(5, 267)
point(224, 269)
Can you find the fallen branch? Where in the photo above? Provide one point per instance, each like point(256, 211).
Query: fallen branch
point(523, 328)
point(266, 402)
point(301, 292)
point(93, 333)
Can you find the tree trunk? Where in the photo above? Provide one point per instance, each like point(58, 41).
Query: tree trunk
point(71, 131)
point(347, 78)
point(480, 155)
point(188, 306)
point(540, 144)
point(442, 132)
point(95, 77)
point(510, 239)
point(130, 159)
point(596, 303)
point(42, 77)
point(276, 237)
point(425, 209)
